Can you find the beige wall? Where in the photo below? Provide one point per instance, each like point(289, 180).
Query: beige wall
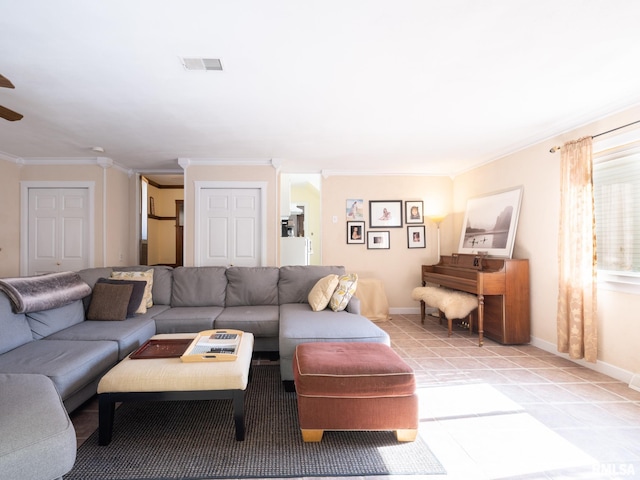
point(538, 171)
point(399, 267)
point(9, 219)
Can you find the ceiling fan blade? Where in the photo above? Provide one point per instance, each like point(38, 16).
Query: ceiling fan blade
point(5, 82)
point(9, 114)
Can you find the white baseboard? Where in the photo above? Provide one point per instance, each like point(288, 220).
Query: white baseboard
point(405, 310)
point(635, 382)
point(601, 367)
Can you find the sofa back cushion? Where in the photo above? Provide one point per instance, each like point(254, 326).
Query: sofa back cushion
point(252, 286)
point(199, 287)
point(14, 329)
point(296, 281)
point(47, 322)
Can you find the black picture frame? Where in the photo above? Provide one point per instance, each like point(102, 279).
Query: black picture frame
point(413, 211)
point(385, 213)
point(378, 240)
point(416, 237)
point(355, 232)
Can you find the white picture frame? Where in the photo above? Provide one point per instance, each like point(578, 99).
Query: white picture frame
point(490, 223)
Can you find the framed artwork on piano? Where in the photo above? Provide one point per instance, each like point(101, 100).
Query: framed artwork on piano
point(490, 223)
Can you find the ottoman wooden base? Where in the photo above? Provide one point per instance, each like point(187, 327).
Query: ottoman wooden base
point(354, 386)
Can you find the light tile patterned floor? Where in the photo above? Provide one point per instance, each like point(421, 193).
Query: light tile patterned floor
point(505, 411)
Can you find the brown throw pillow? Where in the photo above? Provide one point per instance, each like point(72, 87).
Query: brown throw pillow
point(137, 293)
point(109, 302)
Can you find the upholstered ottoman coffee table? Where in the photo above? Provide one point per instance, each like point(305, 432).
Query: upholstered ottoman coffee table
point(156, 379)
point(354, 386)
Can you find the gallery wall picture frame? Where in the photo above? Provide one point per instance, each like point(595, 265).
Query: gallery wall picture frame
point(355, 232)
point(490, 223)
point(378, 240)
point(413, 211)
point(152, 206)
point(355, 209)
point(416, 237)
point(385, 213)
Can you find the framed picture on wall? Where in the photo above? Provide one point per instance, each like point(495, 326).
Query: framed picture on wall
point(490, 223)
point(355, 232)
point(385, 213)
point(413, 212)
point(415, 237)
point(355, 209)
point(378, 240)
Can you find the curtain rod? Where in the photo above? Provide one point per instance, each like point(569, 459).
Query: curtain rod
point(555, 149)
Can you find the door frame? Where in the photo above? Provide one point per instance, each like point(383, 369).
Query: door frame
point(206, 185)
point(25, 186)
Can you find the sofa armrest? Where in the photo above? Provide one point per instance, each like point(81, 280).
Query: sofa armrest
point(353, 306)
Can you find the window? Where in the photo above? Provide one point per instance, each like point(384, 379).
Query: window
point(616, 182)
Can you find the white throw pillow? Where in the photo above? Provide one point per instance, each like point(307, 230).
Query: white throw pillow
point(347, 285)
point(321, 292)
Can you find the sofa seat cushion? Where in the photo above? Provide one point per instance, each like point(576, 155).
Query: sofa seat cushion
point(128, 334)
point(186, 319)
point(70, 364)
point(38, 438)
point(261, 320)
point(299, 324)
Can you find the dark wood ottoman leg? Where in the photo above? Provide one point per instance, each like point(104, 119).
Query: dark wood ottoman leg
point(106, 411)
point(238, 413)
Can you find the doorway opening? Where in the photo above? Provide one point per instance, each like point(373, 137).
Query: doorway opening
point(300, 217)
point(162, 219)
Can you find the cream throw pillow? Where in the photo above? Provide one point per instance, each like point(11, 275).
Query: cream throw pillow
point(321, 292)
point(347, 285)
point(147, 276)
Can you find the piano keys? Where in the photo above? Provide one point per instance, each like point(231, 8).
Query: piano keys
point(502, 287)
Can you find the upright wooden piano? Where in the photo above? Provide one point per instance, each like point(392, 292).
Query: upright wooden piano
point(502, 287)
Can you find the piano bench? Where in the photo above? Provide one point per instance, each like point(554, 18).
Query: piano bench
point(453, 304)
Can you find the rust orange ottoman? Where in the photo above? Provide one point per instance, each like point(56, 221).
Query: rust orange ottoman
point(354, 386)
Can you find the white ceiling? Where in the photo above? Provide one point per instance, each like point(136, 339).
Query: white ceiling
point(420, 86)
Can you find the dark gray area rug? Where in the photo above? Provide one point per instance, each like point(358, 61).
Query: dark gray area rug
point(196, 440)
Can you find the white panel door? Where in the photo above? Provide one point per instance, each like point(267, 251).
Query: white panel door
point(229, 223)
point(58, 230)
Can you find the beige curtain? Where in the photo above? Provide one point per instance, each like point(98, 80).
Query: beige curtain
point(577, 326)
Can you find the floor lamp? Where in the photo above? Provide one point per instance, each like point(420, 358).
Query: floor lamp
point(437, 219)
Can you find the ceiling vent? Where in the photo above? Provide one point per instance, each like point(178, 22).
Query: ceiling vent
point(201, 63)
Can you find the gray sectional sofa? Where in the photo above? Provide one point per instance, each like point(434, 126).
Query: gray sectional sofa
point(59, 350)
point(269, 302)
